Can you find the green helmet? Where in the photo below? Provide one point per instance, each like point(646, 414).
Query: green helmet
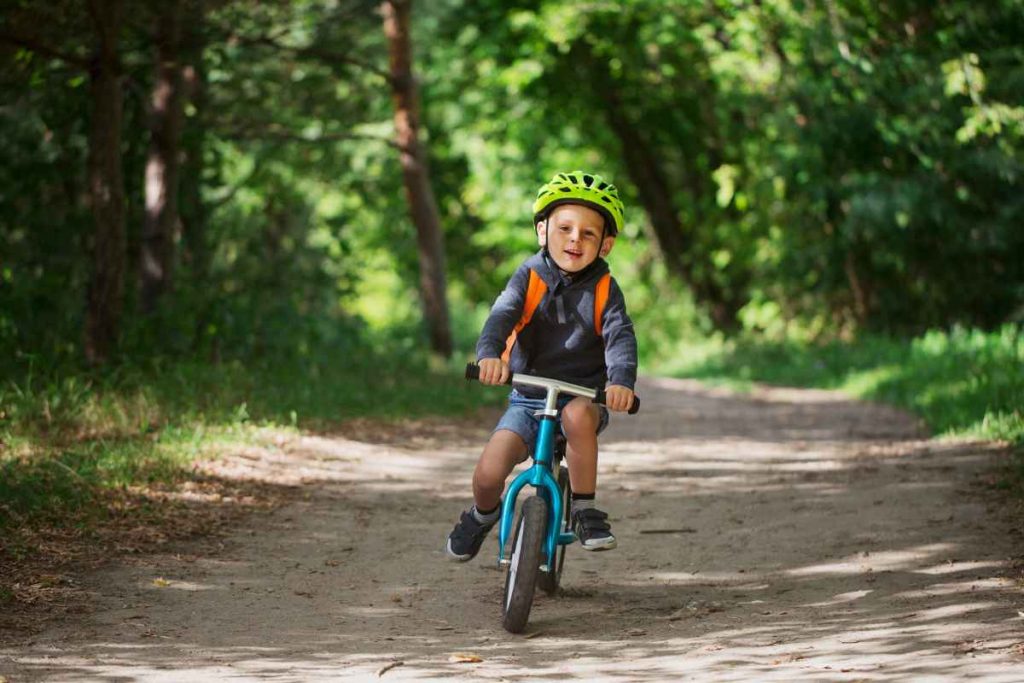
point(579, 187)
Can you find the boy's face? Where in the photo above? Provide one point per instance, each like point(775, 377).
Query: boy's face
point(573, 237)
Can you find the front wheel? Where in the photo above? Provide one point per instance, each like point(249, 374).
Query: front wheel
point(524, 565)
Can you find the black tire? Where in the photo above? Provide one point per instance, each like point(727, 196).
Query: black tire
point(524, 564)
point(549, 580)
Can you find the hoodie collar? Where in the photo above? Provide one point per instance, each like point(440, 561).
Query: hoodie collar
point(554, 278)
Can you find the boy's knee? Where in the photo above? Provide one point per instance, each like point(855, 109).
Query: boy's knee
point(506, 449)
point(580, 416)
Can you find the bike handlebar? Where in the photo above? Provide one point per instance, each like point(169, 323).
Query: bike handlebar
point(597, 395)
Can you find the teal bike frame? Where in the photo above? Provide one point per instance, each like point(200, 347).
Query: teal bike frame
point(540, 475)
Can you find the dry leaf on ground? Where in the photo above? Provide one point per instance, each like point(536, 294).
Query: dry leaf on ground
point(464, 658)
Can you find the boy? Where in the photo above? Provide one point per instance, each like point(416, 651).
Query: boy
point(579, 333)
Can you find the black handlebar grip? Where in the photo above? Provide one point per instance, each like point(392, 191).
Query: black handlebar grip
point(473, 372)
point(601, 397)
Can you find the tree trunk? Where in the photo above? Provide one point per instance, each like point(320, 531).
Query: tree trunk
point(675, 241)
point(106, 186)
point(418, 192)
point(195, 252)
point(161, 223)
point(195, 248)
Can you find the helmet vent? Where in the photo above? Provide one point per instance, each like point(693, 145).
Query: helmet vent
point(581, 187)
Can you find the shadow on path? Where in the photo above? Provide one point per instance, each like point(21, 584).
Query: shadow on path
point(788, 534)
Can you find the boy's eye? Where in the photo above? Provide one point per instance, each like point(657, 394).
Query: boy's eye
point(584, 234)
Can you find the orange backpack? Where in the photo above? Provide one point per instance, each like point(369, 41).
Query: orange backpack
point(536, 290)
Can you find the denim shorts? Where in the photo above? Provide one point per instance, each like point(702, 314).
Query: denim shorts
point(519, 417)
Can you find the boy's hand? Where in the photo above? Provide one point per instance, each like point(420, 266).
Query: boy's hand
point(494, 371)
point(618, 398)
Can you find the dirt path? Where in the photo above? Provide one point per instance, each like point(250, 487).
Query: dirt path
point(779, 536)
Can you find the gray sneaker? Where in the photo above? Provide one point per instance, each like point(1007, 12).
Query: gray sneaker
point(466, 538)
point(592, 528)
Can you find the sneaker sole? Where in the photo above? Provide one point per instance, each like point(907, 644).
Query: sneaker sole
point(452, 554)
point(600, 545)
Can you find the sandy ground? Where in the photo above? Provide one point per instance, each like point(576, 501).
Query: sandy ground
point(783, 535)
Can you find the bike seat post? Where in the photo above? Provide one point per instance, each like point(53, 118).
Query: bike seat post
point(551, 400)
point(545, 446)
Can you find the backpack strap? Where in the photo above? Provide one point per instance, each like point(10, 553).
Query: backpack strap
point(535, 291)
point(600, 299)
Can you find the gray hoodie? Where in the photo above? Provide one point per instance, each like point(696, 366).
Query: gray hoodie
point(560, 341)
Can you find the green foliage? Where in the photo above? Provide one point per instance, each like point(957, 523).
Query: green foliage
point(827, 160)
point(42, 271)
point(887, 220)
point(836, 167)
point(68, 433)
point(838, 170)
point(964, 381)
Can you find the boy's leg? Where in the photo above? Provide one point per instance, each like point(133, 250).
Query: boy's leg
point(580, 422)
point(503, 452)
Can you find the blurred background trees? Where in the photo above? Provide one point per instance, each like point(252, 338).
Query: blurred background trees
point(215, 178)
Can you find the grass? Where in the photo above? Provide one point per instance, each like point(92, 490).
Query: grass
point(69, 437)
point(961, 382)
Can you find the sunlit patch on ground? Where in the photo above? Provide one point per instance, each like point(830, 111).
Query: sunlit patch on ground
point(782, 536)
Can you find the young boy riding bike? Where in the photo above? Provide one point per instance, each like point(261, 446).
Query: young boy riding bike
point(561, 315)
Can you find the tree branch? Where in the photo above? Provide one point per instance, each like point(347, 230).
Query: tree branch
point(220, 201)
point(45, 50)
point(321, 54)
point(324, 55)
point(274, 132)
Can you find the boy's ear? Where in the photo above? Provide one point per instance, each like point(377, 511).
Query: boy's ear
point(542, 233)
point(606, 246)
